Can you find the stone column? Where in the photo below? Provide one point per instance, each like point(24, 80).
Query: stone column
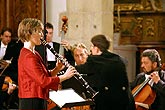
point(87, 18)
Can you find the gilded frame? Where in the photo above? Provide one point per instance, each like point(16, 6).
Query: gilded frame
point(137, 6)
point(141, 5)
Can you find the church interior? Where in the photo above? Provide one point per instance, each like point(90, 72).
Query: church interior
point(131, 25)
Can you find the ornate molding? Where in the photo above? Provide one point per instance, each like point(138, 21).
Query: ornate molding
point(143, 5)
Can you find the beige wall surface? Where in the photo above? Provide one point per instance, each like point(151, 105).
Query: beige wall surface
point(85, 19)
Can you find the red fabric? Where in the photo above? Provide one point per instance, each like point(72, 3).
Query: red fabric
point(34, 80)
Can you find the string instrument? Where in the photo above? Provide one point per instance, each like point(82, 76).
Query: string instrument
point(6, 65)
point(143, 95)
point(63, 31)
point(7, 79)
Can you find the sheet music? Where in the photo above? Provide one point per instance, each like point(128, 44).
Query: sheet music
point(64, 96)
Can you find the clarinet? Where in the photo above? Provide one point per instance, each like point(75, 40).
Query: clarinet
point(89, 89)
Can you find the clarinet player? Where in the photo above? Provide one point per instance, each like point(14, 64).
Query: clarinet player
point(34, 80)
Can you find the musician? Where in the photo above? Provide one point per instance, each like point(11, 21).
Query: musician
point(7, 52)
point(12, 72)
point(34, 80)
point(5, 45)
point(7, 93)
point(80, 54)
point(50, 58)
point(5, 40)
point(151, 67)
point(108, 76)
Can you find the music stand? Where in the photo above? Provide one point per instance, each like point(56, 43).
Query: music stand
point(68, 98)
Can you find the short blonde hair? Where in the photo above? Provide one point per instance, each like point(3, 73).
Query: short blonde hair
point(79, 45)
point(26, 28)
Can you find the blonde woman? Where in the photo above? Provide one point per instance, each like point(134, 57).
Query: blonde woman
point(34, 79)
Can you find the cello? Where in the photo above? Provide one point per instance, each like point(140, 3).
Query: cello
point(7, 79)
point(143, 95)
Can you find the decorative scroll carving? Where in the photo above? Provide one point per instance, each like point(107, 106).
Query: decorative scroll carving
point(143, 5)
point(141, 24)
point(129, 7)
point(137, 22)
point(139, 27)
point(152, 5)
point(149, 24)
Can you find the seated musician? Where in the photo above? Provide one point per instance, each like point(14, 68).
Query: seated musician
point(151, 66)
point(6, 68)
point(80, 54)
point(9, 89)
point(50, 58)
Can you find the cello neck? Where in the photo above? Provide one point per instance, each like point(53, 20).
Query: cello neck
point(141, 87)
point(63, 31)
point(61, 49)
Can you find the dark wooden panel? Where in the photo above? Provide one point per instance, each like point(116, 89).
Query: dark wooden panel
point(3, 13)
point(18, 10)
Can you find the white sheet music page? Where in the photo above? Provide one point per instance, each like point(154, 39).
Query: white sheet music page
point(61, 97)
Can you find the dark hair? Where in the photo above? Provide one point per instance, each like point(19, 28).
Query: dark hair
point(4, 29)
point(101, 42)
point(49, 25)
point(153, 55)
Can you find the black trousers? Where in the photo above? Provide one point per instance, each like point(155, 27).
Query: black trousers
point(32, 104)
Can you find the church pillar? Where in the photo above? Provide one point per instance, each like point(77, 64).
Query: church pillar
point(87, 18)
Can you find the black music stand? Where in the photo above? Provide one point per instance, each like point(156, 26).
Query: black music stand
point(68, 98)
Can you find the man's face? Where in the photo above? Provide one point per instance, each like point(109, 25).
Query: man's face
point(93, 50)
point(147, 65)
point(6, 37)
point(80, 56)
point(49, 35)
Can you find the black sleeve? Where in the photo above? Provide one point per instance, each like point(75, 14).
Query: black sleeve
point(1, 81)
point(68, 55)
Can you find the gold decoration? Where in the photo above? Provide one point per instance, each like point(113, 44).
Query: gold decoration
point(144, 5)
point(150, 28)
